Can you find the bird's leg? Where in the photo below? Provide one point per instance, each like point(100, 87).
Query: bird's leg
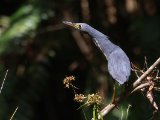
point(114, 93)
point(124, 90)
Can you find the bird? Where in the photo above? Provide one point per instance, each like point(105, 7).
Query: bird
point(119, 66)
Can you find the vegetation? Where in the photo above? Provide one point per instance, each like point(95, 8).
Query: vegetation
point(39, 52)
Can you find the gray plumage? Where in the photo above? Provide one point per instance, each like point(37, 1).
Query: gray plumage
point(118, 62)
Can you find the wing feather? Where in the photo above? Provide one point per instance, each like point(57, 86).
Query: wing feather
point(119, 65)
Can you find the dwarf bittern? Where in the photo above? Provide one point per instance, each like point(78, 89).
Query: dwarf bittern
point(118, 63)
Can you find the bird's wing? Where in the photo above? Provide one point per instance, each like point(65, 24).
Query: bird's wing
point(119, 65)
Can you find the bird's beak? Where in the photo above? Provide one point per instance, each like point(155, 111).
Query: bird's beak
point(67, 23)
point(74, 25)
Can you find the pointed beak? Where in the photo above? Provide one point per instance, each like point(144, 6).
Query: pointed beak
point(74, 25)
point(68, 23)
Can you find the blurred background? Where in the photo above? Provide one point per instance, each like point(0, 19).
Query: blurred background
point(39, 52)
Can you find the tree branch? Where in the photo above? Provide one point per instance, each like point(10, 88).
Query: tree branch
point(143, 76)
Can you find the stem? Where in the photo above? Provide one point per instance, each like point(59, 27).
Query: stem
point(14, 113)
point(94, 112)
point(3, 81)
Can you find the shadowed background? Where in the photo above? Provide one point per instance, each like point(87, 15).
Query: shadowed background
point(39, 52)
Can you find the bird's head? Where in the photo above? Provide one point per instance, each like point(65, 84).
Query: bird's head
point(78, 26)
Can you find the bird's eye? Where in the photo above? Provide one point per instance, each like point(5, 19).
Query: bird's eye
point(78, 26)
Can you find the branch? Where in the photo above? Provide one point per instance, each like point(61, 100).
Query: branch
point(111, 106)
point(143, 76)
point(140, 87)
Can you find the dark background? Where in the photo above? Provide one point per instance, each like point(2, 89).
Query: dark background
point(39, 52)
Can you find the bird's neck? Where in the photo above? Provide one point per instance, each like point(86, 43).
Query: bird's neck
point(101, 41)
point(94, 33)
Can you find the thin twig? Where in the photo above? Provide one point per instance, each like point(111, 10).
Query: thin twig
point(3, 81)
point(135, 68)
point(140, 87)
point(14, 113)
point(145, 62)
point(151, 100)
